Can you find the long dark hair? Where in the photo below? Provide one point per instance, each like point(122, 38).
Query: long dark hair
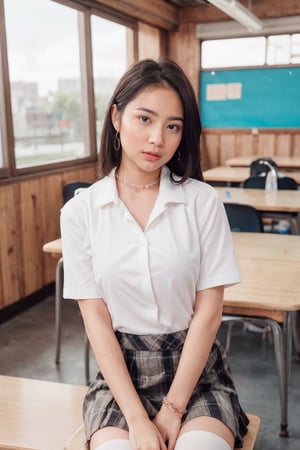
point(185, 163)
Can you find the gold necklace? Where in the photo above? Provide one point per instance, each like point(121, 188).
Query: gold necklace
point(137, 187)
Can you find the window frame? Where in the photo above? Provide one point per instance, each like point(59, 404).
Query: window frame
point(87, 8)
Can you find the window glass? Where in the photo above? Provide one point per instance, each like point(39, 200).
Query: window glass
point(284, 49)
point(295, 53)
point(233, 52)
point(109, 62)
point(1, 147)
point(279, 49)
point(46, 92)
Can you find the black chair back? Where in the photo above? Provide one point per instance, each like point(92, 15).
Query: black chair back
point(259, 182)
point(258, 168)
point(71, 187)
point(243, 218)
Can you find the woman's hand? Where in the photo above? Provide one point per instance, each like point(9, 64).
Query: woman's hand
point(168, 424)
point(144, 435)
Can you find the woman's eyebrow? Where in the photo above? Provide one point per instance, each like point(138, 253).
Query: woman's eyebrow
point(150, 111)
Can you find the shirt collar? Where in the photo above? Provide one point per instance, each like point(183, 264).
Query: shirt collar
point(106, 190)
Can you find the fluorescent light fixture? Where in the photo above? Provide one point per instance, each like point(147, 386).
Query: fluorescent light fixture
point(239, 13)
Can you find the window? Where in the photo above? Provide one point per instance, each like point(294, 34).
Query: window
point(251, 51)
point(109, 63)
point(233, 52)
point(284, 49)
point(51, 48)
point(1, 149)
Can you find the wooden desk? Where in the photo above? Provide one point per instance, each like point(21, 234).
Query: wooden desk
point(278, 201)
point(270, 269)
point(227, 174)
point(287, 162)
point(53, 247)
point(269, 264)
point(38, 415)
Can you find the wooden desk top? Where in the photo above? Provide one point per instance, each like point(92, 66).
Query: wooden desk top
point(288, 162)
point(53, 247)
point(280, 201)
point(270, 270)
point(228, 174)
point(267, 246)
point(38, 415)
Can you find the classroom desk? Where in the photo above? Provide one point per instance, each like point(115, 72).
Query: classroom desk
point(278, 201)
point(270, 268)
point(286, 162)
point(270, 264)
point(227, 174)
point(38, 415)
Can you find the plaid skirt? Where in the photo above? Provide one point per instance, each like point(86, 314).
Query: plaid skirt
point(152, 361)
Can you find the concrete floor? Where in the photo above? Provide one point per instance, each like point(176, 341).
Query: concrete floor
point(27, 350)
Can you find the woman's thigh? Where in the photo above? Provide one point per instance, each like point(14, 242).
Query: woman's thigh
point(206, 423)
point(107, 434)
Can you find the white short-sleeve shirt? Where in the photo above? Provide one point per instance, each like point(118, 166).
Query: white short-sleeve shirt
point(148, 279)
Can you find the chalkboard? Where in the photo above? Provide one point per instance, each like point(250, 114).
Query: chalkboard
point(250, 98)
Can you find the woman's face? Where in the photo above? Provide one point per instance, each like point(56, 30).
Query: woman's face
point(150, 128)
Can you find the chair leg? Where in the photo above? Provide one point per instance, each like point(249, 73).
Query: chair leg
point(296, 333)
point(58, 303)
point(228, 336)
point(87, 360)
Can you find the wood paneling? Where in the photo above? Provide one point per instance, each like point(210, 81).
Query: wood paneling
point(149, 41)
point(184, 49)
point(219, 145)
point(159, 13)
point(29, 211)
point(264, 9)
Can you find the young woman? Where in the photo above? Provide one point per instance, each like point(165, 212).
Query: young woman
point(147, 253)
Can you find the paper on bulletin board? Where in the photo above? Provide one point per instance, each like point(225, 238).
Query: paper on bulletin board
point(215, 92)
point(234, 91)
point(223, 91)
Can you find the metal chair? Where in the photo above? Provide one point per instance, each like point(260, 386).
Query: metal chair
point(283, 183)
point(70, 189)
point(243, 218)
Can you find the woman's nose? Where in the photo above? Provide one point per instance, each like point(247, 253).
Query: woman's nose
point(156, 137)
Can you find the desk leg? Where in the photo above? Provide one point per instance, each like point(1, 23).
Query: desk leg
point(287, 357)
point(58, 302)
point(279, 348)
point(282, 343)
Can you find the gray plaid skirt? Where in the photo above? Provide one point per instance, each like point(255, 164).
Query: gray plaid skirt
point(152, 361)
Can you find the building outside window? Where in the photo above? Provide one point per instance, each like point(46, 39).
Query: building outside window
point(54, 117)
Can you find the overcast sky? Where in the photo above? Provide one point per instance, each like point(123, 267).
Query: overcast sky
point(43, 43)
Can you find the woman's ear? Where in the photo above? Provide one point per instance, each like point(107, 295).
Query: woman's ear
point(115, 117)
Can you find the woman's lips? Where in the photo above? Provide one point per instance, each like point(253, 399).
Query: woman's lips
point(151, 156)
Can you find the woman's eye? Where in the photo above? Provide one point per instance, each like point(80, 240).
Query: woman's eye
point(144, 119)
point(174, 127)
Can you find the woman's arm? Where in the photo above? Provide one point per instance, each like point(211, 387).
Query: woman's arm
point(200, 337)
point(111, 362)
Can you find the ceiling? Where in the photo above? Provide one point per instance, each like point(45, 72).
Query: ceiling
point(188, 2)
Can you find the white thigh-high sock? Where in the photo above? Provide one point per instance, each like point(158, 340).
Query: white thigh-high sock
point(198, 440)
point(115, 444)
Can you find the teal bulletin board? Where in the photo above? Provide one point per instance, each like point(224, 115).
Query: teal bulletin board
point(250, 98)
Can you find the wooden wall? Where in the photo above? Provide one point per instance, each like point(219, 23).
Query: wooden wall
point(29, 211)
point(220, 144)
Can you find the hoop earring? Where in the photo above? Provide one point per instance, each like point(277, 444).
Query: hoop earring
point(117, 142)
